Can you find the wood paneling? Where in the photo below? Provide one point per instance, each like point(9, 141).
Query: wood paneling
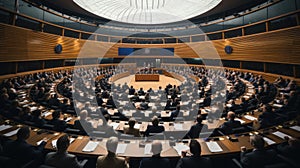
point(283, 46)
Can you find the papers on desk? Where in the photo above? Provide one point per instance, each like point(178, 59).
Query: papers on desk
point(268, 141)
point(4, 127)
point(213, 147)
point(242, 121)
point(277, 105)
point(137, 126)
point(121, 148)
point(199, 101)
point(151, 104)
point(68, 119)
point(178, 126)
point(280, 134)
point(251, 118)
point(39, 142)
point(11, 133)
point(123, 103)
point(163, 104)
point(228, 105)
point(296, 128)
point(246, 97)
point(33, 108)
point(114, 125)
point(46, 114)
point(147, 150)
point(180, 147)
point(53, 143)
point(249, 94)
point(90, 146)
point(130, 96)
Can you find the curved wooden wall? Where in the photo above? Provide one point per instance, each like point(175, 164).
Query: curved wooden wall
point(282, 46)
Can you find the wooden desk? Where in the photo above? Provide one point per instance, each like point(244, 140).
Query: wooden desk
point(146, 77)
point(135, 149)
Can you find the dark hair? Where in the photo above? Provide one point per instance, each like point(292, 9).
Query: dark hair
point(63, 143)
point(199, 119)
point(155, 121)
point(56, 114)
point(23, 133)
point(257, 141)
point(131, 122)
point(195, 147)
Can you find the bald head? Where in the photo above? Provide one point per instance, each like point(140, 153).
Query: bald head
point(156, 147)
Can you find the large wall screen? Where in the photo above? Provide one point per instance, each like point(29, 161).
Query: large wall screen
point(146, 52)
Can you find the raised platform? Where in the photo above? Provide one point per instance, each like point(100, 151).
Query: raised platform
point(146, 77)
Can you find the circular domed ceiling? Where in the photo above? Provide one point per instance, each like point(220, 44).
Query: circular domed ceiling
point(147, 11)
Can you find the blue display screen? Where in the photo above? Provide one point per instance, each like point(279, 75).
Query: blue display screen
point(146, 52)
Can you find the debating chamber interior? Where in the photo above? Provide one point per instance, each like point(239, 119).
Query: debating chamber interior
point(149, 83)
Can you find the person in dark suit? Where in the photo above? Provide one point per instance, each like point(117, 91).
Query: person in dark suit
point(195, 130)
point(227, 127)
point(21, 151)
point(59, 125)
point(268, 117)
point(143, 105)
point(259, 157)
point(131, 90)
point(131, 130)
point(111, 159)
point(195, 160)
point(141, 92)
point(154, 128)
point(156, 160)
point(37, 120)
point(82, 124)
point(175, 112)
point(290, 149)
point(61, 158)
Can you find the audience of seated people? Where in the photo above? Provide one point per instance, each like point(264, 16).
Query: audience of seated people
point(40, 93)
